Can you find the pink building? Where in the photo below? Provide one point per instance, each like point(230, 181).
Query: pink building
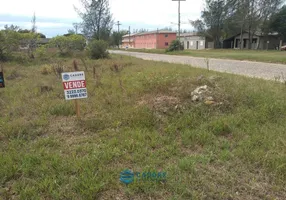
point(149, 40)
point(128, 41)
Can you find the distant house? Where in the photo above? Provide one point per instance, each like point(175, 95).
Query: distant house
point(24, 44)
point(259, 41)
point(149, 40)
point(195, 41)
point(43, 41)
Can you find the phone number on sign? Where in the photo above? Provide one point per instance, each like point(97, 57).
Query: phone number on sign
point(76, 91)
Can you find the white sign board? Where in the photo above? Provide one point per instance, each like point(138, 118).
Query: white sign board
point(74, 85)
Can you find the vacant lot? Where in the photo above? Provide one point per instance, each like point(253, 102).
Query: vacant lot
point(251, 55)
point(228, 144)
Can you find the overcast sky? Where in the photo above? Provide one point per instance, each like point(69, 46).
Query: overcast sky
point(55, 17)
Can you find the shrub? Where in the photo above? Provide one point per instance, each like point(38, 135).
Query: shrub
point(67, 44)
point(41, 52)
point(176, 45)
point(98, 49)
point(58, 69)
point(46, 69)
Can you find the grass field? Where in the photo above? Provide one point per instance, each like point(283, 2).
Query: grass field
point(139, 116)
point(251, 55)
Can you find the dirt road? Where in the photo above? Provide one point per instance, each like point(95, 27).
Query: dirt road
point(253, 69)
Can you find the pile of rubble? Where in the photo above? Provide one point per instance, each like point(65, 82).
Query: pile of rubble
point(203, 93)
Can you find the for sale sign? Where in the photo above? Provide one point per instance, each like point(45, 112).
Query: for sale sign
point(2, 83)
point(74, 85)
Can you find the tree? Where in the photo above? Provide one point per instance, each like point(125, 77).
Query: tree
point(199, 26)
point(97, 49)
point(271, 8)
point(166, 29)
point(175, 45)
point(76, 28)
point(97, 20)
point(71, 31)
point(213, 16)
point(67, 44)
point(11, 27)
point(278, 22)
point(24, 31)
point(116, 38)
point(41, 35)
point(143, 30)
point(224, 18)
point(9, 42)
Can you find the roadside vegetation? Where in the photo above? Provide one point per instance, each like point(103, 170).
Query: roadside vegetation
point(140, 115)
point(250, 55)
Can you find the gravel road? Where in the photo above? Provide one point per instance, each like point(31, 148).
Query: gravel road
point(248, 68)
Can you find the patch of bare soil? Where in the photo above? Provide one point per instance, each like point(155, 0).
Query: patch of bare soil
point(161, 103)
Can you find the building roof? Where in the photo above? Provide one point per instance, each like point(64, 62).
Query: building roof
point(127, 35)
point(188, 34)
point(260, 33)
point(43, 40)
point(39, 41)
point(257, 33)
point(151, 32)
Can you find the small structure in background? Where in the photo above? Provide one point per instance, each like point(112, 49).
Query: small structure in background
point(43, 41)
point(259, 41)
point(149, 40)
point(24, 44)
point(195, 41)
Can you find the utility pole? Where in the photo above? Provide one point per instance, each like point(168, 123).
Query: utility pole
point(118, 24)
point(157, 38)
point(179, 19)
point(129, 37)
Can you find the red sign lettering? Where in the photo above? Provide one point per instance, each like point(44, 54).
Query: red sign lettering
point(74, 85)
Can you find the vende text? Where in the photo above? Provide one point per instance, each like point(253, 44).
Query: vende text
point(74, 85)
